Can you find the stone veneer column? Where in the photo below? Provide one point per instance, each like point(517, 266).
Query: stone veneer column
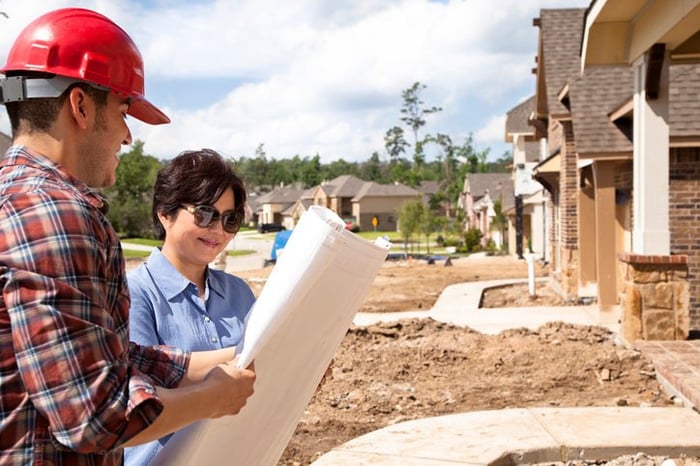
point(655, 298)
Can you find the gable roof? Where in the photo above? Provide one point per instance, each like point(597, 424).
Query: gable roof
point(342, 186)
point(478, 183)
point(283, 195)
point(429, 187)
point(558, 56)
point(498, 186)
point(371, 188)
point(517, 119)
point(593, 97)
point(684, 104)
point(5, 143)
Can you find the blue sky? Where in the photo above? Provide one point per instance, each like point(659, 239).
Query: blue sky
point(309, 77)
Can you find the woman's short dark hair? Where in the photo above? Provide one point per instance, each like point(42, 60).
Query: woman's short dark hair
point(193, 178)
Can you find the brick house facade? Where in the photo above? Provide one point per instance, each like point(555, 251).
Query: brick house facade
point(684, 203)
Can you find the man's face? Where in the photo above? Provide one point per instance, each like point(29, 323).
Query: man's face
point(103, 142)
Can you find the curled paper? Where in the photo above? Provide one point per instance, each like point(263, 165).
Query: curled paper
point(292, 333)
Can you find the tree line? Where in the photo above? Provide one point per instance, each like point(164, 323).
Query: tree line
point(405, 161)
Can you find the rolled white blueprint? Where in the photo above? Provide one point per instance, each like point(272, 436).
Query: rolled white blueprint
point(293, 331)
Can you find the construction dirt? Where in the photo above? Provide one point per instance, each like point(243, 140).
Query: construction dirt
point(388, 373)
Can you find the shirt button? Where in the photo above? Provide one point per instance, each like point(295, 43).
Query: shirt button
point(214, 339)
point(207, 319)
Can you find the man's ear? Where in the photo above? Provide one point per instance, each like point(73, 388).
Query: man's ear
point(79, 106)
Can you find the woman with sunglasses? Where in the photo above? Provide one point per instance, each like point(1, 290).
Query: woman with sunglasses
point(176, 298)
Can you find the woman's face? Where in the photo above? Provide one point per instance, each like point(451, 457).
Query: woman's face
point(187, 244)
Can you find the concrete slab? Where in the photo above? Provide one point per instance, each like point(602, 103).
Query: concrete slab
point(479, 437)
point(603, 433)
point(525, 436)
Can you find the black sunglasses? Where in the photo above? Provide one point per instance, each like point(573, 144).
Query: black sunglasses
point(205, 216)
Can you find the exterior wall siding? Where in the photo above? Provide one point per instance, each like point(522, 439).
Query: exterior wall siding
point(561, 137)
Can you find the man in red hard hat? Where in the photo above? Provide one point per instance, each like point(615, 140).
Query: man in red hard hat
point(73, 389)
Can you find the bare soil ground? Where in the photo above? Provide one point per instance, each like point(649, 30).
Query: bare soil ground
point(418, 368)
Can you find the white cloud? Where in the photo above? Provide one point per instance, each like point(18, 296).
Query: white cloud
point(313, 76)
point(492, 133)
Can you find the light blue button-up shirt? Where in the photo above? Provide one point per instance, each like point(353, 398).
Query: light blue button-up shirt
point(166, 310)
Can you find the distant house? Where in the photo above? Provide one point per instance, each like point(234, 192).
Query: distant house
point(362, 202)
point(478, 198)
point(5, 143)
point(272, 205)
point(528, 217)
point(291, 215)
point(381, 202)
point(337, 194)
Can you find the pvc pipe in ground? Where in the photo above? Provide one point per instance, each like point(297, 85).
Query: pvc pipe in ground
point(530, 258)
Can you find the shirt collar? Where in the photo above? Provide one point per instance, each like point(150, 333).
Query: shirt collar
point(171, 281)
point(22, 155)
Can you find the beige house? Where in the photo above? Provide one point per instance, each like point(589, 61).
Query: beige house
point(337, 194)
point(380, 204)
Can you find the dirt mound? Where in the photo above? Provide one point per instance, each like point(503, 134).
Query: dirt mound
point(412, 369)
point(419, 368)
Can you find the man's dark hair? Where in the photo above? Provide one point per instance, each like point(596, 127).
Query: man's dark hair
point(194, 178)
point(39, 114)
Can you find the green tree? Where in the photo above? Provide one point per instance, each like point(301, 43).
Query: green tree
point(374, 170)
point(339, 167)
point(401, 171)
point(429, 223)
point(410, 216)
point(414, 112)
point(413, 109)
point(394, 143)
point(503, 164)
point(131, 197)
point(311, 172)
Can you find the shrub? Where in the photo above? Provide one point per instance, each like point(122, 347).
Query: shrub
point(472, 239)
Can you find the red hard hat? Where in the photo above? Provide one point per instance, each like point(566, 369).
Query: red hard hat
point(87, 46)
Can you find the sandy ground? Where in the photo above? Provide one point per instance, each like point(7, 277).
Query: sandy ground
point(419, 368)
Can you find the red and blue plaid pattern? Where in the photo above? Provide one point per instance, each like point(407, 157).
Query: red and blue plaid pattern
point(72, 387)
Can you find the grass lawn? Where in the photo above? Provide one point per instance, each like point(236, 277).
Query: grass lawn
point(157, 243)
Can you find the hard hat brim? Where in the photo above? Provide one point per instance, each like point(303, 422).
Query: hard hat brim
point(145, 111)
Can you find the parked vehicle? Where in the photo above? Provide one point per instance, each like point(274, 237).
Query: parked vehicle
point(351, 225)
point(269, 227)
point(277, 246)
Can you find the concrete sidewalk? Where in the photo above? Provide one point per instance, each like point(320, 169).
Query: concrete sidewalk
point(459, 305)
point(533, 435)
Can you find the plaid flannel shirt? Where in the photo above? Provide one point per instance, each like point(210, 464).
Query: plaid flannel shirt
point(72, 386)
